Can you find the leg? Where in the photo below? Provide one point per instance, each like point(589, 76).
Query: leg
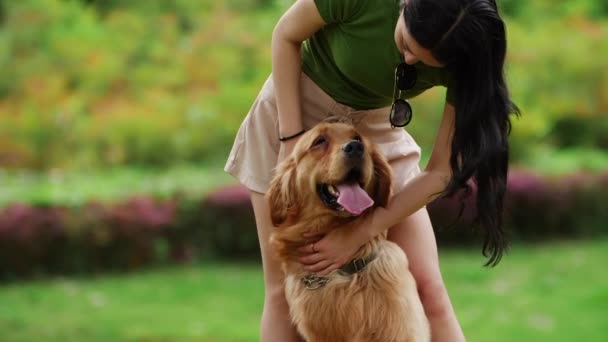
point(276, 323)
point(416, 237)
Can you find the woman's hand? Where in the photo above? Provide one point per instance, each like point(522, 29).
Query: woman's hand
point(329, 252)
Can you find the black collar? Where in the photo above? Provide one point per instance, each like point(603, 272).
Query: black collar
point(313, 282)
point(357, 265)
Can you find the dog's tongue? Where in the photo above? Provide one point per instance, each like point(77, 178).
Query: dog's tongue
point(353, 198)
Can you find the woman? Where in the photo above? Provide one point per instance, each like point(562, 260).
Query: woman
point(338, 57)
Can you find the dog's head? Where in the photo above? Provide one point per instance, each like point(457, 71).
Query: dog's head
point(333, 170)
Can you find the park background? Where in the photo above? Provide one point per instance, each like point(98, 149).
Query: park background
point(118, 223)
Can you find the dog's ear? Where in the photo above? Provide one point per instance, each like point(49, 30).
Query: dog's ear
point(282, 194)
point(383, 178)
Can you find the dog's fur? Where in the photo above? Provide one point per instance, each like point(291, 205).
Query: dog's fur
point(378, 304)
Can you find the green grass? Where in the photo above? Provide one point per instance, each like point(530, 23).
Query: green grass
point(75, 187)
point(202, 303)
point(556, 292)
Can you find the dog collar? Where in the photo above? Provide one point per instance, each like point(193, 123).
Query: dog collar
point(357, 265)
point(313, 282)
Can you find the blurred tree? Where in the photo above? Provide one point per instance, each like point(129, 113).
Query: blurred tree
point(89, 83)
point(538, 10)
point(2, 12)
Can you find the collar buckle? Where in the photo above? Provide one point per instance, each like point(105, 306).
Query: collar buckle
point(358, 264)
point(313, 282)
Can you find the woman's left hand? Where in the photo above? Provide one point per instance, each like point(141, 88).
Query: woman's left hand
point(331, 251)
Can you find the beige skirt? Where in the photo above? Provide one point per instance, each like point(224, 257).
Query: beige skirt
point(254, 154)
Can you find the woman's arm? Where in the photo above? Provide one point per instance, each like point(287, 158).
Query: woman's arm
point(423, 188)
point(300, 22)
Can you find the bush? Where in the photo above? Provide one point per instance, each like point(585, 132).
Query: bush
point(536, 208)
point(143, 231)
point(231, 223)
point(125, 236)
point(582, 132)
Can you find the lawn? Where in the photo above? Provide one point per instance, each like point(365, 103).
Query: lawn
point(554, 292)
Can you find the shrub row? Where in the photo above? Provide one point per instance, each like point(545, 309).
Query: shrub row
point(40, 239)
point(144, 231)
point(536, 209)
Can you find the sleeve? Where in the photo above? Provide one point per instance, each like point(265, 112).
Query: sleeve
point(338, 11)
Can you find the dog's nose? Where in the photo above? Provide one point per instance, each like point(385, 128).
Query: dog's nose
point(353, 149)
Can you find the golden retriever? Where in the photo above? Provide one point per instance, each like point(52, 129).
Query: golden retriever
point(328, 182)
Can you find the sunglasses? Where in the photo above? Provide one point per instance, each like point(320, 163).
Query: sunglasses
point(401, 111)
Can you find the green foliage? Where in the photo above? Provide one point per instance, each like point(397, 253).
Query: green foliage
point(73, 188)
point(94, 83)
point(148, 83)
point(571, 131)
point(538, 10)
point(558, 78)
point(563, 161)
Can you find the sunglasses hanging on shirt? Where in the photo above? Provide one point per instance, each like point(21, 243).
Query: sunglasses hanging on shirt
point(401, 111)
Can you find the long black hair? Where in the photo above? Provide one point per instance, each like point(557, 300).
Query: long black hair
point(469, 38)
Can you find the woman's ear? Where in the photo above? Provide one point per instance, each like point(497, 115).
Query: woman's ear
point(383, 178)
point(282, 195)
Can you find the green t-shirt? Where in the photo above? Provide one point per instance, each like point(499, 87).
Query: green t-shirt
point(353, 58)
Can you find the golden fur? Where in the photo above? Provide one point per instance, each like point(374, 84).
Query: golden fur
point(378, 304)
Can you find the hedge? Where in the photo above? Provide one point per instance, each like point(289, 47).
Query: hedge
point(143, 231)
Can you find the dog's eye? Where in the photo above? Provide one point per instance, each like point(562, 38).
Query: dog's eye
point(321, 140)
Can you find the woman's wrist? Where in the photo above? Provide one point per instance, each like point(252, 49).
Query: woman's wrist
point(291, 135)
point(370, 228)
